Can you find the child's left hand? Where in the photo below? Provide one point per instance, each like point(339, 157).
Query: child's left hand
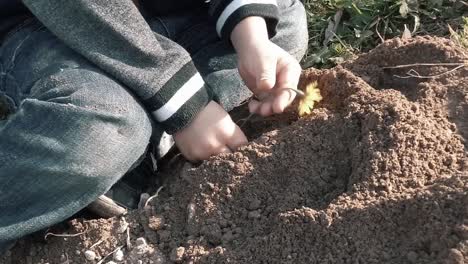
point(265, 67)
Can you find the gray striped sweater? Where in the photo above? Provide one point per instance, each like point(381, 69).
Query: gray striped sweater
point(113, 35)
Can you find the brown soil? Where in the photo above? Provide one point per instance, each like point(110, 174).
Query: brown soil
point(378, 174)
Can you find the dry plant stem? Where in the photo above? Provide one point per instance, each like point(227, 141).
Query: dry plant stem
point(96, 244)
point(104, 258)
point(154, 196)
point(425, 64)
point(64, 235)
point(129, 244)
point(414, 74)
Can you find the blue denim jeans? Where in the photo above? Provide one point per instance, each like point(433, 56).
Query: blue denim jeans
point(74, 131)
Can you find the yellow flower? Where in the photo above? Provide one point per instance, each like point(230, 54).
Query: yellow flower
point(312, 96)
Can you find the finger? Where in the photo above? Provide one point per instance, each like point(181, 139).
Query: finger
point(266, 74)
point(223, 149)
point(237, 139)
point(289, 72)
point(254, 106)
point(266, 109)
point(284, 98)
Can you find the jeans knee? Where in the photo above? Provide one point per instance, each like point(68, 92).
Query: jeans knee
point(292, 33)
point(105, 127)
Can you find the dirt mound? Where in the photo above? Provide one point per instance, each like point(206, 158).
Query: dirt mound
point(378, 174)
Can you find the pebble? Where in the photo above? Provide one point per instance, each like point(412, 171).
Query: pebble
point(111, 262)
point(118, 255)
point(140, 241)
point(90, 255)
point(455, 257)
point(177, 254)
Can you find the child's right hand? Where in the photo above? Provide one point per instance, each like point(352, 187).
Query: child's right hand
point(210, 133)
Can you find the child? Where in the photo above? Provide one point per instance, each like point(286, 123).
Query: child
point(94, 82)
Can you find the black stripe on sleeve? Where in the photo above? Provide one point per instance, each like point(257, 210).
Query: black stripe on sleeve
point(171, 87)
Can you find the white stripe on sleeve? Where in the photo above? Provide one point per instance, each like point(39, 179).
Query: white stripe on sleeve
point(191, 87)
point(233, 6)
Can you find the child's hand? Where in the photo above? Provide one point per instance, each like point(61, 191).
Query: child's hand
point(210, 133)
point(265, 68)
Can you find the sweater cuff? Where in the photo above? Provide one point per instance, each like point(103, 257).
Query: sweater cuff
point(237, 10)
point(179, 100)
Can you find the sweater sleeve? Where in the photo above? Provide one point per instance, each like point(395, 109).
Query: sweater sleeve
point(228, 13)
point(113, 35)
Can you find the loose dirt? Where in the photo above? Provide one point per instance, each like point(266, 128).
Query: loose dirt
point(377, 174)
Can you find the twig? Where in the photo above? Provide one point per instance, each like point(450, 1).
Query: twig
point(129, 244)
point(96, 244)
point(378, 32)
point(104, 258)
point(154, 196)
point(463, 2)
point(425, 64)
point(244, 120)
point(414, 74)
point(64, 235)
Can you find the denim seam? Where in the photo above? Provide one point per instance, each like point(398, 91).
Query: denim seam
point(18, 48)
point(18, 28)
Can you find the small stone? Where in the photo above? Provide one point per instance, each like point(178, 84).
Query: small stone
point(140, 241)
point(141, 250)
point(63, 258)
point(77, 252)
point(177, 254)
point(254, 214)
point(90, 255)
point(455, 257)
point(462, 231)
point(219, 250)
point(156, 222)
point(118, 255)
point(111, 262)
point(211, 185)
point(412, 257)
point(324, 219)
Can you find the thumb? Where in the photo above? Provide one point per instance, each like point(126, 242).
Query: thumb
point(266, 75)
